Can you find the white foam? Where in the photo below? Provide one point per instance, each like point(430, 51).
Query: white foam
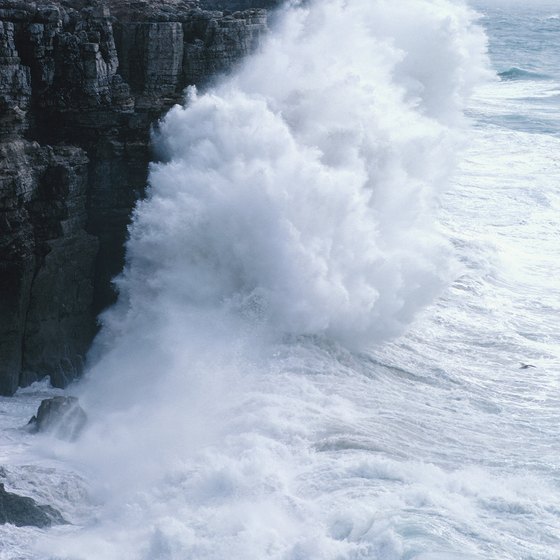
point(296, 199)
point(302, 190)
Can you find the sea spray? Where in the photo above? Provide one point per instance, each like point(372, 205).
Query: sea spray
point(294, 199)
point(302, 189)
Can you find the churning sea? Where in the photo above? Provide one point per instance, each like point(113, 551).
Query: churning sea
point(442, 443)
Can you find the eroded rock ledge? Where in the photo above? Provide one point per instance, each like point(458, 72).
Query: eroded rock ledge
point(22, 511)
point(81, 83)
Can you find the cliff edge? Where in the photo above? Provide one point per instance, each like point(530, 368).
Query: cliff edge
point(81, 84)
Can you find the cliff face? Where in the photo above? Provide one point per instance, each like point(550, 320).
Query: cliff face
point(81, 83)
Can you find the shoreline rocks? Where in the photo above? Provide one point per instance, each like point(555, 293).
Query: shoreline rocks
point(22, 511)
point(61, 416)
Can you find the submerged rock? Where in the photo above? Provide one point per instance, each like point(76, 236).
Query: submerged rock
point(63, 416)
point(22, 511)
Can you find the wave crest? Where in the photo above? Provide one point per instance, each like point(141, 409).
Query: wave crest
point(302, 190)
point(514, 74)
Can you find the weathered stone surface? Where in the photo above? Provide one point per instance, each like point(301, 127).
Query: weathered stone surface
point(46, 263)
point(15, 85)
point(81, 84)
point(22, 511)
point(62, 416)
point(236, 5)
point(151, 59)
point(215, 43)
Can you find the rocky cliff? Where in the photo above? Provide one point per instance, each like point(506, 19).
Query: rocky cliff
point(81, 84)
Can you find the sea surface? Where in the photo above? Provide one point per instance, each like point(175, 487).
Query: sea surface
point(316, 438)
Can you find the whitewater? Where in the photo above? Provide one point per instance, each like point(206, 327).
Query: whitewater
point(348, 249)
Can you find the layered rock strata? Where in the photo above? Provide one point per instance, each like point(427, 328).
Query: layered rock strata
point(81, 84)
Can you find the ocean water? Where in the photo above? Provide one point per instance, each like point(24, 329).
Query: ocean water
point(348, 251)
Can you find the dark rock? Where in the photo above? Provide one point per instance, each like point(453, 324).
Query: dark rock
point(22, 511)
point(215, 43)
point(61, 416)
point(46, 263)
point(235, 5)
point(151, 59)
point(81, 84)
point(15, 85)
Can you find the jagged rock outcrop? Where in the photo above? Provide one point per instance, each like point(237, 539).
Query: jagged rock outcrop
point(61, 416)
point(81, 84)
point(232, 5)
point(23, 511)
